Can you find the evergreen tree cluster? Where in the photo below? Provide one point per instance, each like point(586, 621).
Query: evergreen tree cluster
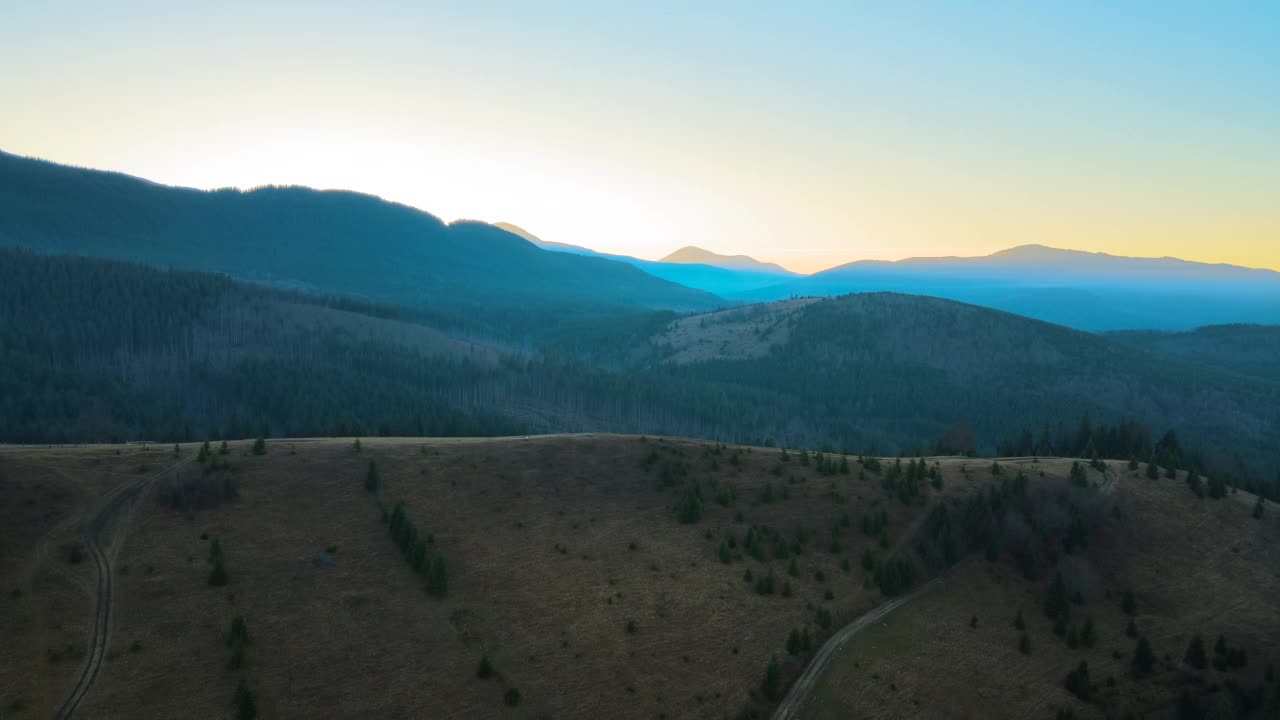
point(689, 508)
point(1227, 657)
point(874, 522)
point(895, 575)
point(215, 485)
point(798, 642)
point(906, 483)
point(1078, 682)
point(415, 548)
point(1125, 439)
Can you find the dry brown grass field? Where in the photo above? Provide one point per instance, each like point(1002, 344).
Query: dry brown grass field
point(568, 568)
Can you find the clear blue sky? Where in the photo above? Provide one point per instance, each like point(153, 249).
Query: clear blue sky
point(807, 133)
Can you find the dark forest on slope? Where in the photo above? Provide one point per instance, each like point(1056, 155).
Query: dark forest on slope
point(96, 350)
point(332, 242)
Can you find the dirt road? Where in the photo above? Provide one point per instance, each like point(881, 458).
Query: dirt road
point(93, 540)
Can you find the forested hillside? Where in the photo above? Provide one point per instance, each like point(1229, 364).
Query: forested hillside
point(904, 368)
point(1246, 349)
point(95, 350)
point(333, 242)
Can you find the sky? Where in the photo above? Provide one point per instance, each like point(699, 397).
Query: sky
point(806, 133)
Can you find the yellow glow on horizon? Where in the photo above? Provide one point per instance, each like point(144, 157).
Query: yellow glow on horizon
point(570, 200)
point(823, 135)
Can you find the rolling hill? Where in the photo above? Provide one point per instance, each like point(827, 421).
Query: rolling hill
point(333, 242)
point(901, 369)
point(1087, 291)
point(582, 577)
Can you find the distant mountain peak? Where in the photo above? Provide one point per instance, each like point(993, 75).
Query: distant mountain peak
point(517, 230)
point(691, 255)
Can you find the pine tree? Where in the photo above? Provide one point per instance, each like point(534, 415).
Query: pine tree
point(1153, 472)
point(1129, 603)
point(203, 455)
point(725, 555)
point(223, 449)
point(246, 705)
point(1257, 508)
point(1131, 629)
point(793, 569)
point(689, 510)
point(793, 642)
point(1144, 659)
point(239, 632)
point(1019, 623)
point(260, 446)
point(438, 578)
point(218, 574)
point(1088, 634)
point(485, 669)
point(1024, 644)
point(1078, 682)
point(1195, 656)
point(773, 680)
point(237, 657)
point(1079, 476)
point(372, 480)
point(511, 697)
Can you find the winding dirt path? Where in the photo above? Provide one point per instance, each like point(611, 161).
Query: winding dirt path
point(93, 540)
point(802, 689)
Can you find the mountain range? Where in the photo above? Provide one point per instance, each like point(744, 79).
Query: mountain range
point(322, 241)
point(1087, 291)
point(349, 244)
point(689, 266)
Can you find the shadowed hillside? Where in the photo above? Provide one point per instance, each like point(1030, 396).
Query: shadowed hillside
point(1245, 349)
point(911, 367)
point(96, 350)
point(326, 241)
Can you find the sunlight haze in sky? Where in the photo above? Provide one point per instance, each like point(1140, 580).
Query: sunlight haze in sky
point(809, 134)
